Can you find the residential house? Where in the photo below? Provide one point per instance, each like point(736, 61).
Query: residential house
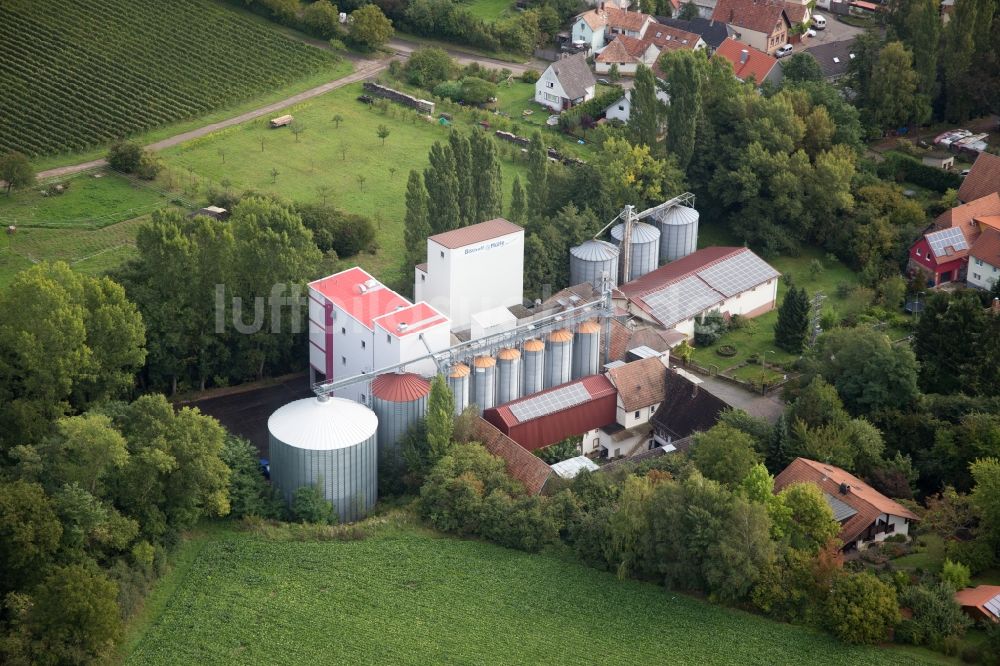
point(984, 256)
point(733, 280)
point(866, 516)
point(596, 28)
point(749, 64)
point(669, 38)
point(762, 24)
point(983, 178)
point(798, 12)
point(687, 408)
point(622, 109)
point(626, 53)
point(942, 252)
point(523, 465)
point(981, 602)
point(713, 33)
point(640, 385)
point(588, 29)
point(566, 83)
point(834, 58)
point(630, 24)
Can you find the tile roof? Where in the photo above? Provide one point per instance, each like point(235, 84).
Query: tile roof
point(795, 12)
point(523, 465)
point(626, 20)
point(833, 57)
point(574, 76)
point(868, 503)
point(619, 52)
point(757, 66)
point(962, 216)
point(978, 597)
point(987, 247)
point(476, 233)
point(983, 178)
point(358, 294)
point(641, 383)
point(669, 38)
point(757, 15)
point(686, 408)
point(595, 18)
point(713, 32)
point(681, 289)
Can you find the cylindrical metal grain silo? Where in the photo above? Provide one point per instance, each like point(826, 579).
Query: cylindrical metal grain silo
point(645, 248)
point(558, 358)
point(508, 375)
point(587, 349)
point(327, 441)
point(399, 401)
point(533, 367)
point(678, 232)
point(458, 382)
point(590, 260)
point(484, 381)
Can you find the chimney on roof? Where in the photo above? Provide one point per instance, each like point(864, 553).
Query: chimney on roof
point(844, 488)
point(744, 56)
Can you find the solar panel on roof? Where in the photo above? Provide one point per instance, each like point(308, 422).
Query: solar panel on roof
point(993, 606)
point(947, 241)
point(544, 404)
point(841, 510)
point(681, 300)
point(737, 273)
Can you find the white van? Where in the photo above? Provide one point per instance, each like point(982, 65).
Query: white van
point(819, 22)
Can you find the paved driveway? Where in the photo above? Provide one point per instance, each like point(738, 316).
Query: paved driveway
point(835, 32)
point(767, 407)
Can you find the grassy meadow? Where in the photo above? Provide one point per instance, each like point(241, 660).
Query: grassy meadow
point(403, 595)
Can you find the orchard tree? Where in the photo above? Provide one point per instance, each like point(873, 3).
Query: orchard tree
point(383, 133)
point(16, 171)
point(369, 28)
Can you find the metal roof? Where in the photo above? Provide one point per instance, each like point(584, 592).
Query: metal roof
point(677, 216)
point(841, 511)
point(322, 424)
point(400, 387)
point(641, 232)
point(569, 468)
point(594, 250)
point(476, 233)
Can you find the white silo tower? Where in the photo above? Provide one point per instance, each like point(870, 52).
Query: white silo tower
point(327, 441)
point(484, 381)
point(533, 366)
point(645, 248)
point(508, 375)
point(678, 232)
point(591, 260)
point(558, 358)
point(587, 349)
point(458, 382)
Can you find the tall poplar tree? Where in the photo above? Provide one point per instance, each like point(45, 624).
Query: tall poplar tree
point(684, 75)
point(922, 29)
point(417, 222)
point(487, 177)
point(443, 189)
point(517, 204)
point(462, 154)
point(538, 181)
point(646, 114)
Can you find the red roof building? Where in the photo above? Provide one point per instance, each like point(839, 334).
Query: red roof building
point(548, 417)
point(983, 178)
point(523, 465)
point(865, 515)
point(749, 63)
point(980, 603)
point(762, 24)
point(944, 253)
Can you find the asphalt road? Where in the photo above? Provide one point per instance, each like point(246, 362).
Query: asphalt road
point(364, 69)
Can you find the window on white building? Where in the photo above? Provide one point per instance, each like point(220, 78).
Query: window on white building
point(362, 397)
point(621, 107)
point(652, 410)
point(343, 360)
point(979, 262)
point(362, 344)
point(550, 84)
point(637, 415)
point(343, 331)
point(442, 254)
point(551, 98)
point(388, 338)
point(977, 276)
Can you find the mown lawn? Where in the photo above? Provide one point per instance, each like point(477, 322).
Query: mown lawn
point(488, 10)
point(404, 596)
point(337, 158)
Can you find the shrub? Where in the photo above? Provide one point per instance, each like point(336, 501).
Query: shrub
point(428, 67)
point(955, 574)
point(861, 608)
point(559, 451)
point(726, 350)
point(125, 156)
point(707, 331)
point(310, 506)
point(530, 75)
point(347, 234)
point(936, 615)
point(905, 168)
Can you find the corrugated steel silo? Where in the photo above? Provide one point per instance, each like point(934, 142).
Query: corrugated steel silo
point(678, 232)
point(458, 382)
point(558, 358)
point(508, 375)
point(590, 260)
point(330, 441)
point(645, 248)
point(587, 349)
point(484, 382)
point(399, 401)
point(533, 367)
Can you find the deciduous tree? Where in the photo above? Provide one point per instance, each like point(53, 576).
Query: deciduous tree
point(369, 28)
point(724, 454)
point(16, 171)
point(861, 608)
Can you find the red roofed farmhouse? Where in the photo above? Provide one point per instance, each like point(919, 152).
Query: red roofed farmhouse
point(763, 24)
point(865, 515)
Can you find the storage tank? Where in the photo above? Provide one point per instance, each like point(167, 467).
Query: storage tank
point(678, 232)
point(399, 401)
point(558, 358)
point(590, 260)
point(645, 248)
point(327, 441)
point(587, 349)
point(458, 382)
point(533, 366)
point(484, 382)
point(508, 375)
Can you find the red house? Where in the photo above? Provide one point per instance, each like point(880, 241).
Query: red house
point(942, 253)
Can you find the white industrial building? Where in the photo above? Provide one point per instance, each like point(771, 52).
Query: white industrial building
point(471, 270)
point(358, 325)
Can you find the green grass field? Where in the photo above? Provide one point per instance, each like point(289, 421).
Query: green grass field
point(79, 74)
point(405, 596)
point(326, 155)
point(489, 10)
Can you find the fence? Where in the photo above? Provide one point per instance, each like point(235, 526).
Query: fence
point(422, 105)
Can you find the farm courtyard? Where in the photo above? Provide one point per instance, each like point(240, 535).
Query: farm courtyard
point(389, 592)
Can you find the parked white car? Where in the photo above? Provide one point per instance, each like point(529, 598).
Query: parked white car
point(810, 33)
point(783, 51)
point(819, 22)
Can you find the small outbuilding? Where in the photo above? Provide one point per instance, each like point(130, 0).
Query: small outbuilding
point(939, 160)
point(980, 603)
point(569, 468)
